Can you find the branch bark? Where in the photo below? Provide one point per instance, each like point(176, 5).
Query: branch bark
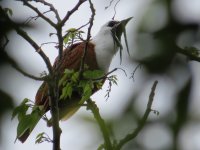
point(24, 35)
point(88, 37)
point(26, 3)
point(69, 13)
point(192, 53)
point(142, 122)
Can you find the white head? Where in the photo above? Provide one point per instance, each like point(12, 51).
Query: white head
point(105, 48)
point(107, 42)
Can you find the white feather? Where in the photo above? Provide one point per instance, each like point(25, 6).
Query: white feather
point(104, 47)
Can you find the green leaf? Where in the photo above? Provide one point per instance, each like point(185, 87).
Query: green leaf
point(66, 76)
point(87, 92)
point(93, 74)
point(75, 77)
point(39, 138)
point(28, 122)
point(67, 91)
point(71, 30)
point(21, 109)
point(66, 39)
point(68, 71)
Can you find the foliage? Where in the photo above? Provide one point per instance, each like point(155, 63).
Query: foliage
point(26, 121)
point(72, 35)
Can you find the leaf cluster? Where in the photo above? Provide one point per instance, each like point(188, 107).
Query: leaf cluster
point(71, 83)
point(72, 35)
point(27, 121)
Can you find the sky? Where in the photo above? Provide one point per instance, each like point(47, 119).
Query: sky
point(77, 134)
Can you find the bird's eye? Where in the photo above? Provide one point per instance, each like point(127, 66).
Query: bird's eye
point(112, 23)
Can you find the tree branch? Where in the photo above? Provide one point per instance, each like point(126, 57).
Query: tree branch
point(93, 107)
point(52, 8)
point(36, 47)
point(69, 13)
point(142, 122)
point(39, 13)
point(191, 52)
point(55, 115)
point(24, 35)
point(88, 37)
point(15, 66)
point(60, 40)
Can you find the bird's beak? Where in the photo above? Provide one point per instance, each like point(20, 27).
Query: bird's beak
point(117, 31)
point(120, 27)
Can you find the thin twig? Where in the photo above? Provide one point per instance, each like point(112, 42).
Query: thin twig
point(88, 37)
point(36, 47)
point(15, 66)
point(48, 43)
point(29, 19)
point(69, 13)
point(110, 72)
point(115, 10)
point(52, 8)
point(77, 29)
point(24, 35)
point(109, 4)
point(26, 3)
point(142, 122)
point(134, 71)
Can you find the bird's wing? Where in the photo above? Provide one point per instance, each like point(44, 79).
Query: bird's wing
point(71, 60)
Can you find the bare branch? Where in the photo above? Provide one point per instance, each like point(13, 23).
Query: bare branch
point(134, 71)
point(29, 19)
point(52, 8)
point(191, 52)
point(16, 66)
point(106, 75)
point(24, 35)
point(60, 40)
point(88, 36)
point(36, 47)
point(28, 75)
point(114, 7)
point(115, 10)
point(142, 121)
point(48, 43)
point(39, 13)
point(69, 13)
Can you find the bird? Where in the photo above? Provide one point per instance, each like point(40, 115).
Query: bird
point(100, 51)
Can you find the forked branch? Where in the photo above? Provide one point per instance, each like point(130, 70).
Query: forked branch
point(142, 122)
